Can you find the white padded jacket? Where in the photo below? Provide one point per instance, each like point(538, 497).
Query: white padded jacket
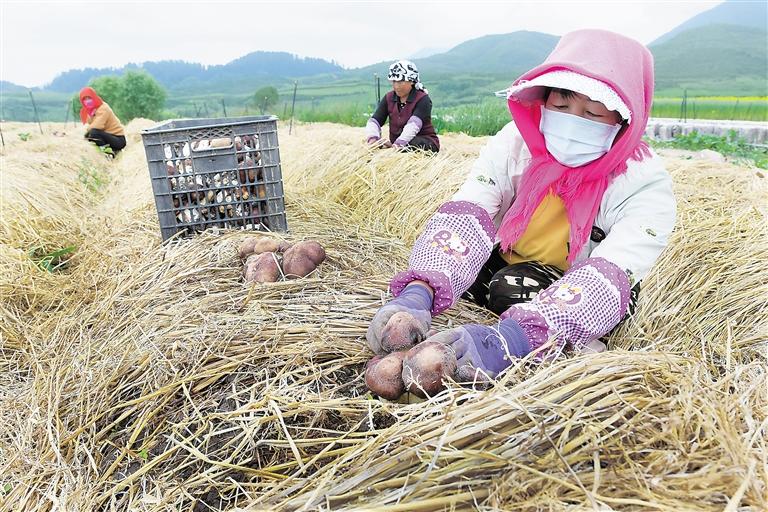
point(636, 216)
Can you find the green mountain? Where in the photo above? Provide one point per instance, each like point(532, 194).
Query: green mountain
point(243, 73)
point(506, 54)
point(704, 56)
point(707, 60)
point(722, 59)
point(730, 12)
point(470, 71)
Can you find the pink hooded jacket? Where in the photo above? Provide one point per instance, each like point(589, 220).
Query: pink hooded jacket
point(627, 67)
point(626, 193)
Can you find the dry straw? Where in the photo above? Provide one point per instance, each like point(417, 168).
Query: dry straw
point(143, 376)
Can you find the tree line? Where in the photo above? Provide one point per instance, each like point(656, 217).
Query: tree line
point(136, 94)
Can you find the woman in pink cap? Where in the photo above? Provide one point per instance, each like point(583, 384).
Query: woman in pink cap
point(562, 216)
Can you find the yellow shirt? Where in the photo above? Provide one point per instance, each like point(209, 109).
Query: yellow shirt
point(106, 120)
point(546, 238)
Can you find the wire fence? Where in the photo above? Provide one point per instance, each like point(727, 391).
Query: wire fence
point(352, 102)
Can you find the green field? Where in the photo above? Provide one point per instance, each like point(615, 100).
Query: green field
point(487, 116)
point(472, 109)
point(749, 108)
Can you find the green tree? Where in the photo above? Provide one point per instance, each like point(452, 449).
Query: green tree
point(140, 96)
point(265, 98)
point(135, 94)
point(108, 88)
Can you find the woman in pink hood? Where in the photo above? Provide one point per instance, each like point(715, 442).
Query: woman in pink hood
point(562, 216)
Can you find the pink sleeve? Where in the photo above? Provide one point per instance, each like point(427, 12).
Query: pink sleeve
point(372, 129)
point(580, 307)
point(450, 253)
point(410, 130)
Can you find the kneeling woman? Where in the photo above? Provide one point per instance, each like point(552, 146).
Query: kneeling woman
point(563, 215)
point(104, 128)
point(409, 110)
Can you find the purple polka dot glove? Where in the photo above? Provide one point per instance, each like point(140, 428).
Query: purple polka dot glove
point(483, 351)
point(401, 323)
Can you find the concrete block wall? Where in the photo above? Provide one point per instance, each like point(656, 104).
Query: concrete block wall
point(666, 129)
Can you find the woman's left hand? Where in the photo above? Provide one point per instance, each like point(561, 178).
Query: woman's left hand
point(484, 351)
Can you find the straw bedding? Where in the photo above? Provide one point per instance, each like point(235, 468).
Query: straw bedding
point(142, 376)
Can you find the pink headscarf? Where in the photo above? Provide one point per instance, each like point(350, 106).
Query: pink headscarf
point(627, 67)
point(86, 111)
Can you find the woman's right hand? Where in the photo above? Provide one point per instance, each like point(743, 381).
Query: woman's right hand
point(379, 143)
point(403, 322)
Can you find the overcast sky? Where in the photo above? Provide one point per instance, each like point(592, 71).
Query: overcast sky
point(42, 39)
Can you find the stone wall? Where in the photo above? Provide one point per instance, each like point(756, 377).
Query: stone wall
point(666, 129)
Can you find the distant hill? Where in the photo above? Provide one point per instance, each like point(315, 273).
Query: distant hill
point(713, 55)
point(499, 53)
point(163, 71)
point(493, 54)
point(11, 87)
point(244, 71)
point(700, 56)
point(711, 59)
point(427, 52)
point(731, 12)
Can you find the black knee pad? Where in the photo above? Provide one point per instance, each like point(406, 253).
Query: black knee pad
point(518, 283)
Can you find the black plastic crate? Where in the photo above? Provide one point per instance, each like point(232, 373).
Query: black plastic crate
point(222, 172)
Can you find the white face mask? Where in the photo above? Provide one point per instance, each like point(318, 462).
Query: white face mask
point(573, 140)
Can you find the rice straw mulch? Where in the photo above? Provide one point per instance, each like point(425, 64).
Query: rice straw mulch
point(143, 376)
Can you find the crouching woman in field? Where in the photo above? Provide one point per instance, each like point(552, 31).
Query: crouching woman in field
point(409, 110)
point(562, 216)
point(104, 128)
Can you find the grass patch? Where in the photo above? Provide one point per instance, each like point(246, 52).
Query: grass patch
point(486, 118)
point(94, 178)
point(482, 119)
point(106, 150)
point(51, 261)
point(748, 108)
point(351, 115)
point(731, 146)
